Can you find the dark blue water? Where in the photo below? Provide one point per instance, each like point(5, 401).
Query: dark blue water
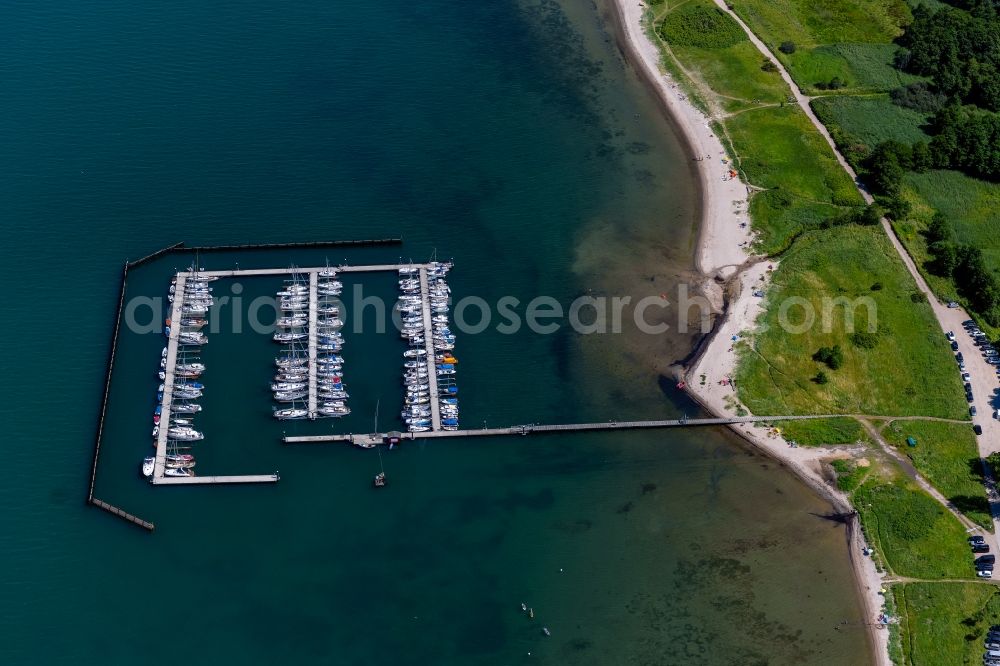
point(509, 136)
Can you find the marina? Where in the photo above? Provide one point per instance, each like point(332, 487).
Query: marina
point(308, 380)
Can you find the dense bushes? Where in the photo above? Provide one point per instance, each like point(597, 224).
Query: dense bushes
point(957, 49)
point(833, 356)
point(704, 27)
point(966, 265)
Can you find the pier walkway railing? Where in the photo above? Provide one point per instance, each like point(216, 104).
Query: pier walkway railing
point(367, 439)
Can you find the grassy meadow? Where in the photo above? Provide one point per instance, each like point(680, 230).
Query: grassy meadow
point(908, 371)
point(912, 534)
point(846, 39)
point(944, 624)
point(773, 143)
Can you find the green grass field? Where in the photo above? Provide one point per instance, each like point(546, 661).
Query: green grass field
point(971, 205)
point(946, 455)
point(857, 122)
point(913, 534)
point(909, 372)
point(823, 432)
point(864, 68)
point(850, 474)
point(944, 624)
point(774, 146)
point(808, 23)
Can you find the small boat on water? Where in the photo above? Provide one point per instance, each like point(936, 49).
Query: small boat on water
point(178, 471)
point(290, 413)
point(380, 480)
point(289, 337)
point(148, 465)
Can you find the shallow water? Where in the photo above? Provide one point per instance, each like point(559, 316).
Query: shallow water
point(509, 136)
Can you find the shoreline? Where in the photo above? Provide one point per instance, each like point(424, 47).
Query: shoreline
point(722, 255)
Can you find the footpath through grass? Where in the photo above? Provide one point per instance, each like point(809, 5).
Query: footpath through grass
point(946, 455)
point(774, 145)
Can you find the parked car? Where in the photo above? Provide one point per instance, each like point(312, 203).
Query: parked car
point(986, 574)
point(978, 429)
point(952, 304)
point(976, 538)
point(986, 559)
point(961, 359)
point(966, 376)
point(954, 346)
point(981, 548)
point(950, 335)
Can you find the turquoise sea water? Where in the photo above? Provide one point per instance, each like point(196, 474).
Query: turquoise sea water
point(511, 136)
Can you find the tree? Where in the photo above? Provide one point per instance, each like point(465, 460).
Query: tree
point(945, 258)
point(920, 157)
point(939, 229)
point(833, 356)
point(769, 66)
point(787, 47)
point(821, 378)
point(897, 208)
point(885, 171)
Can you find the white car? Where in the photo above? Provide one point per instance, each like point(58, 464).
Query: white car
point(985, 574)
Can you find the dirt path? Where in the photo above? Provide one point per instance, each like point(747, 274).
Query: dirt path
point(983, 376)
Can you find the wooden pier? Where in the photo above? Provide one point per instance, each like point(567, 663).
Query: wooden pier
point(159, 467)
point(168, 381)
point(425, 301)
point(196, 480)
point(370, 439)
point(313, 307)
point(315, 270)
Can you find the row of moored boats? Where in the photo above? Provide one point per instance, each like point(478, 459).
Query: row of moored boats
point(184, 381)
point(417, 402)
point(291, 380)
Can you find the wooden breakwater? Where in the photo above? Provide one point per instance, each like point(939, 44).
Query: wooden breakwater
point(154, 255)
point(370, 242)
point(124, 515)
point(112, 351)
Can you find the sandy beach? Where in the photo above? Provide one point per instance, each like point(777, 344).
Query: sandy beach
point(723, 254)
point(723, 244)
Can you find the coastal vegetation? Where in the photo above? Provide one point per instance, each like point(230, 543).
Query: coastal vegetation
point(910, 92)
point(945, 623)
point(919, 121)
point(912, 534)
point(912, 376)
point(823, 432)
point(773, 144)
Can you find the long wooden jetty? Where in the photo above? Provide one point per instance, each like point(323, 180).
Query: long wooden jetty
point(196, 480)
point(368, 439)
point(425, 302)
point(313, 318)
